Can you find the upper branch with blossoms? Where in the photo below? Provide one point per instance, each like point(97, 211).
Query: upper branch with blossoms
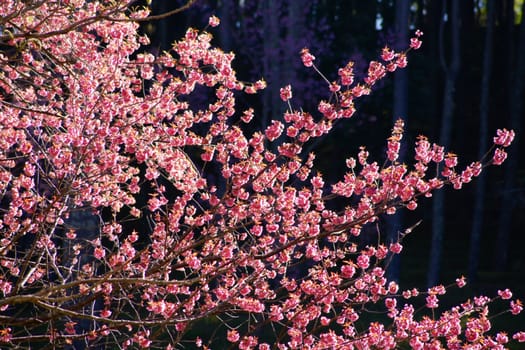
point(196, 220)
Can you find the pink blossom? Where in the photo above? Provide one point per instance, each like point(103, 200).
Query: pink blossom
point(6, 335)
point(502, 338)
point(70, 327)
point(401, 61)
point(141, 338)
point(274, 131)
point(346, 74)
point(214, 21)
point(499, 156)
point(387, 54)
point(415, 43)
point(516, 307)
point(505, 294)
point(105, 313)
point(519, 336)
point(307, 57)
point(432, 301)
point(363, 261)
point(348, 271)
point(99, 252)
point(396, 248)
point(233, 336)
point(461, 282)
point(504, 137)
point(233, 221)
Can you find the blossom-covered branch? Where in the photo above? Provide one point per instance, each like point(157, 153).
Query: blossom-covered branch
point(194, 218)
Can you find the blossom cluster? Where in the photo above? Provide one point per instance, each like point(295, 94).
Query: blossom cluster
point(199, 220)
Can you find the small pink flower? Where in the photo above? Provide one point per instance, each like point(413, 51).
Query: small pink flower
point(5, 335)
point(461, 282)
point(142, 339)
point(198, 342)
point(390, 303)
point(71, 234)
point(519, 336)
point(432, 301)
point(499, 156)
point(334, 87)
point(347, 74)
point(401, 61)
point(275, 130)
point(505, 294)
point(363, 261)
point(286, 93)
point(133, 237)
point(214, 21)
point(247, 115)
point(502, 338)
point(70, 327)
point(360, 90)
point(412, 205)
point(516, 307)
point(233, 336)
point(396, 248)
point(105, 313)
point(415, 43)
point(387, 54)
point(393, 287)
point(504, 137)
point(307, 57)
point(347, 271)
point(99, 253)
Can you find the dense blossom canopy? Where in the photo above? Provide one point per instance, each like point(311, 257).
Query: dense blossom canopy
point(198, 221)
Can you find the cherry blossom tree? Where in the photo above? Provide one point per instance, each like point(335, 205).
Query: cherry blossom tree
point(257, 254)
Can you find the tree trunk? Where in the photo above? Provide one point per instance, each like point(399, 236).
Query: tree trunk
point(516, 74)
point(451, 74)
point(87, 228)
point(294, 32)
point(271, 65)
point(479, 197)
point(226, 10)
point(400, 110)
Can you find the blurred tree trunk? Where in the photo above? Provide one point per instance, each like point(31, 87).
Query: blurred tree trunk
point(479, 196)
point(294, 31)
point(158, 30)
point(271, 65)
point(451, 70)
point(86, 225)
point(516, 76)
point(226, 10)
point(400, 110)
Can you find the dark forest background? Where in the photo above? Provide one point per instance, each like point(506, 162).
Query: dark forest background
point(465, 82)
